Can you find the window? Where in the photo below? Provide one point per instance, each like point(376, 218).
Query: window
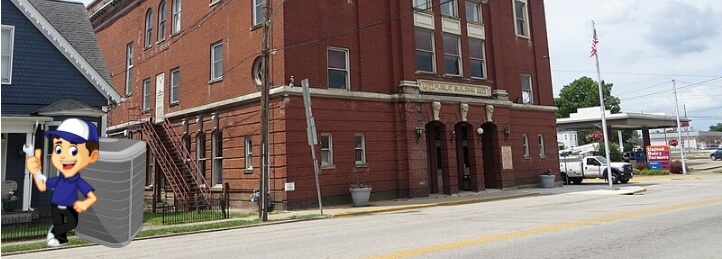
point(129, 69)
point(48, 168)
point(424, 50)
point(148, 28)
point(257, 12)
point(526, 89)
point(201, 154)
point(176, 16)
point(525, 138)
point(150, 168)
point(542, 153)
point(161, 21)
point(8, 42)
point(448, 8)
point(473, 12)
point(249, 153)
point(520, 18)
point(217, 154)
point(258, 71)
point(217, 61)
point(360, 143)
point(326, 149)
point(187, 143)
point(476, 55)
point(174, 86)
point(338, 77)
point(452, 57)
point(146, 94)
point(422, 4)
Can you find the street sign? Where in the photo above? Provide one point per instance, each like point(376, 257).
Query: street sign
point(311, 135)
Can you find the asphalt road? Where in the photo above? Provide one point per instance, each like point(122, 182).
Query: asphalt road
point(673, 219)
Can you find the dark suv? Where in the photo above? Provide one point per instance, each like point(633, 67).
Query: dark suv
point(716, 155)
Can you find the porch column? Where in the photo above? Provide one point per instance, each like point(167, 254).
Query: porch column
point(27, 180)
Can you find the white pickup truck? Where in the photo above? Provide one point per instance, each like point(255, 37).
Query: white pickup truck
point(575, 169)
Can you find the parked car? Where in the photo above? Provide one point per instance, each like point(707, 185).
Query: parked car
point(716, 155)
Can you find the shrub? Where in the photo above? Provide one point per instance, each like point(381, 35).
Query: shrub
point(641, 165)
point(614, 153)
point(652, 172)
point(675, 167)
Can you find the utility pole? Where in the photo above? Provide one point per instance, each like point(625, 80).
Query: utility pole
point(263, 213)
point(679, 129)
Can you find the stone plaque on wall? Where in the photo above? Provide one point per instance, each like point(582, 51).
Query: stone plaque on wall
point(506, 159)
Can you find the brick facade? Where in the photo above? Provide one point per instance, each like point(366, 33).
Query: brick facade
point(386, 99)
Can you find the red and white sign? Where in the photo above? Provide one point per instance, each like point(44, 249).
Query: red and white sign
point(673, 142)
point(659, 154)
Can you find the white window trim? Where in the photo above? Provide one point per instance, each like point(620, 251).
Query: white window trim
point(177, 7)
point(454, 8)
point(525, 138)
point(348, 69)
point(201, 154)
point(148, 33)
point(47, 163)
point(424, 5)
point(526, 18)
point(330, 150)
point(215, 77)
point(146, 94)
point(478, 12)
point(531, 90)
point(11, 50)
point(362, 148)
point(257, 17)
point(174, 99)
point(216, 170)
point(248, 145)
point(458, 56)
point(162, 18)
point(482, 59)
point(542, 152)
point(433, 52)
point(129, 58)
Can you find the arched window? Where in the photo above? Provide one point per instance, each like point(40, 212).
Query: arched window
point(217, 153)
point(187, 143)
point(148, 28)
point(201, 154)
point(176, 16)
point(161, 21)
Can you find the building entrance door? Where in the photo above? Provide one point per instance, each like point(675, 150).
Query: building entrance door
point(437, 159)
point(159, 97)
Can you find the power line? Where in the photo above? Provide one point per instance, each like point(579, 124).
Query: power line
point(631, 73)
point(667, 90)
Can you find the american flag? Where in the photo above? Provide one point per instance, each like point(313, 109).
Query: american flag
point(594, 44)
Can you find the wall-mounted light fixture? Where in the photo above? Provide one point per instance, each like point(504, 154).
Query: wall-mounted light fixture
point(453, 136)
point(419, 132)
point(507, 132)
point(479, 131)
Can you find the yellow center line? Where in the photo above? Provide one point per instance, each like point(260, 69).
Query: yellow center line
point(544, 229)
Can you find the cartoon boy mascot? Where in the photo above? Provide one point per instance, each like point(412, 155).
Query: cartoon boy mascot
point(75, 146)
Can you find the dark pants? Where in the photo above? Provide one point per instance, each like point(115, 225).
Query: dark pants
point(64, 220)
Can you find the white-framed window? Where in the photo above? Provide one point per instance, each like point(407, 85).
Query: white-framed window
point(161, 21)
point(542, 152)
point(448, 8)
point(424, 50)
point(360, 148)
point(177, 4)
point(521, 18)
point(326, 149)
point(473, 12)
point(476, 55)
point(338, 74)
point(217, 61)
point(525, 139)
point(148, 28)
point(8, 45)
point(217, 156)
point(175, 86)
point(48, 169)
point(257, 12)
point(452, 55)
point(187, 143)
point(527, 92)
point(201, 154)
point(249, 153)
point(146, 94)
point(129, 68)
point(422, 4)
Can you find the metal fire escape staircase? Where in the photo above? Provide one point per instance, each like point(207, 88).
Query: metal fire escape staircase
point(181, 172)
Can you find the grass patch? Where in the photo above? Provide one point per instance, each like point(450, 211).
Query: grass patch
point(652, 172)
point(187, 217)
point(309, 216)
point(717, 171)
point(40, 245)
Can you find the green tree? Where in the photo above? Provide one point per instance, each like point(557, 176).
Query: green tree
point(584, 93)
point(614, 153)
point(717, 127)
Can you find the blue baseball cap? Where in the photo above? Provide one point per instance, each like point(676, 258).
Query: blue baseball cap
point(76, 131)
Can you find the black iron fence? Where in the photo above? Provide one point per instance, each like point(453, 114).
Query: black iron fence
point(212, 209)
point(27, 230)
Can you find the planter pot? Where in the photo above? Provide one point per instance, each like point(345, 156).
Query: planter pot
point(547, 181)
point(10, 206)
point(360, 196)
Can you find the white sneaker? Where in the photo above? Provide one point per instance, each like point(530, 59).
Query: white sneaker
point(50, 234)
point(54, 243)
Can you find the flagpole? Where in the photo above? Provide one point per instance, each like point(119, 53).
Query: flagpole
point(601, 103)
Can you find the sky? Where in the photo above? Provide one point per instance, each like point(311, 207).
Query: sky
point(643, 46)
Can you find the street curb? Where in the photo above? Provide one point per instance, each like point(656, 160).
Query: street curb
point(641, 190)
point(418, 206)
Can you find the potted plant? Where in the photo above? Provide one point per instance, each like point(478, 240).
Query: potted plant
point(360, 193)
point(9, 202)
point(547, 179)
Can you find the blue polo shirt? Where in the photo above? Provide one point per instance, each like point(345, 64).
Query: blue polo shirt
point(66, 189)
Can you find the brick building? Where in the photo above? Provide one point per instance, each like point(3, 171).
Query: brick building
point(413, 97)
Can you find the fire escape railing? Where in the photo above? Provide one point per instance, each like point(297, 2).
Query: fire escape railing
point(197, 176)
